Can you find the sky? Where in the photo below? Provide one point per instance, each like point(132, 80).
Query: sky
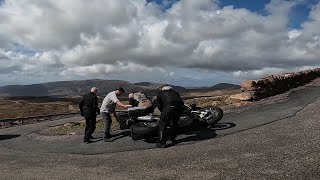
point(181, 42)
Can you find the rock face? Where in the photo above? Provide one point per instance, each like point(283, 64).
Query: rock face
point(242, 96)
point(275, 84)
point(142, 99)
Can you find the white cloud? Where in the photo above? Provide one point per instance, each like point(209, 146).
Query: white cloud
point(78, 39)
point(105, 69)
point(294, 34)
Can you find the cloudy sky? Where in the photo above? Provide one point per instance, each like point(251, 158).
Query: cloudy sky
point(182, 42)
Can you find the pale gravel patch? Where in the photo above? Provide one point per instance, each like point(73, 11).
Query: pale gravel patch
point(39, 137)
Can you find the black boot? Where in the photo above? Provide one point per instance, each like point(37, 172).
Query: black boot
point(161, 145)
point(173, 141)
point(162, 140)
point(88, 141)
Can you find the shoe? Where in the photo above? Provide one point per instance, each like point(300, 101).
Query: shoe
point(107, 140)
point(161, 145)
point(108, 135)
point(91, 137)
point(173, 142)
point(87, 141)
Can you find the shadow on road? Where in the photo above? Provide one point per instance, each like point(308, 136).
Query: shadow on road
point(204, 132)
point(9, 136)
point(114, 136)
point(197, 134)
point(121, 135)
point(222, 126)
point(190, 134)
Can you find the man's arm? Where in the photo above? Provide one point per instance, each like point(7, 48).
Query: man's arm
point(81, 107)
point(116, 100)
point(123, 105)
point(95, 105)
point(159, 102)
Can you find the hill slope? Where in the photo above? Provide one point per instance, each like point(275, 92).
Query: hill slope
point(72, 88)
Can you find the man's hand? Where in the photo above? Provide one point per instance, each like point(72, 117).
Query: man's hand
point(128, 106)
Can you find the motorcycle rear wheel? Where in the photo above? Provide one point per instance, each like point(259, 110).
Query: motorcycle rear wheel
point(145, 128)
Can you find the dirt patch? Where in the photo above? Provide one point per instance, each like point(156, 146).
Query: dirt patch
point(77, 128)
point(40, 137)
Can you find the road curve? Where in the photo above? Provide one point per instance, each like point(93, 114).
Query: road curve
point(277, 141)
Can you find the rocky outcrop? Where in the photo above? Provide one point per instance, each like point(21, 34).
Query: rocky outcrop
point(275, 84)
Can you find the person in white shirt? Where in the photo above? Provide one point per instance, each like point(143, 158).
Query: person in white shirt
point(108, 106)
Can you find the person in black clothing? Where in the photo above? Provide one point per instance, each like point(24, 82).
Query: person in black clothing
point(89, 109)
point(170, 105)
point(133, 101)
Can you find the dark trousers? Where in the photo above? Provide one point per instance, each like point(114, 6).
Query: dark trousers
point(168, 124)
point(90, 127)
point(107, 124)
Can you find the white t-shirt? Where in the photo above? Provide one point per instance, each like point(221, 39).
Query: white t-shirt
point(109, 103)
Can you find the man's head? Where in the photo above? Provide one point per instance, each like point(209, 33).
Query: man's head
point(94, 90)
point(120, 91)
point(130, 95)
point(165, 87)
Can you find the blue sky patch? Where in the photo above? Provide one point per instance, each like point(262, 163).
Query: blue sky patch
point(23, 50)
point(298, 14)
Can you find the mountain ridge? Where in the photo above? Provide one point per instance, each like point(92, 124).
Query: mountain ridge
point(80, 87)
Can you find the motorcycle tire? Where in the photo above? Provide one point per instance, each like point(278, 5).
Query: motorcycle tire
point(123, 118)
point(145, 128)
point(185, 121)
point(133, 136)
point(215, 116)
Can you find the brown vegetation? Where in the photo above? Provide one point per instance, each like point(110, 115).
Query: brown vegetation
point(26, 108)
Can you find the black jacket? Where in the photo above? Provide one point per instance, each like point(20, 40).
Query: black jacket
point(133, 102)
point(169, 99)
point(89, 105)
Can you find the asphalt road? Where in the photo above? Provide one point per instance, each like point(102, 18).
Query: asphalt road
point(277, 141)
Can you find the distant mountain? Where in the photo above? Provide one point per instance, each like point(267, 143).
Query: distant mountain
point(223, 86)
point(74, 88)
point(220, 86)
point(148, 85)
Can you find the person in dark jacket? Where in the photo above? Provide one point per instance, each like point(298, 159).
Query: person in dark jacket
point(133, 102)
point(89, 109)
point(170, 104)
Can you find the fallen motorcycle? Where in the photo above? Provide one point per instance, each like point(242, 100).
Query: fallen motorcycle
point(144, 125)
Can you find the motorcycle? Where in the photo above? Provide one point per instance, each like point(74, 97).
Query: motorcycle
point(143, 124)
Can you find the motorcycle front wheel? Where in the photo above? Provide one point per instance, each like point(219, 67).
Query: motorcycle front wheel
point(212, 115)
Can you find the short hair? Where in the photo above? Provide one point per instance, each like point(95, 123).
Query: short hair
point(94, 90)
point(120, 89)
point(165, 87)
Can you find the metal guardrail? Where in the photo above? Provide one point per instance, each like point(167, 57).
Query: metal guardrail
point(6, 120)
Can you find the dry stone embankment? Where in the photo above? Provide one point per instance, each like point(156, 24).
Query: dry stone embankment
point(274, 84)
